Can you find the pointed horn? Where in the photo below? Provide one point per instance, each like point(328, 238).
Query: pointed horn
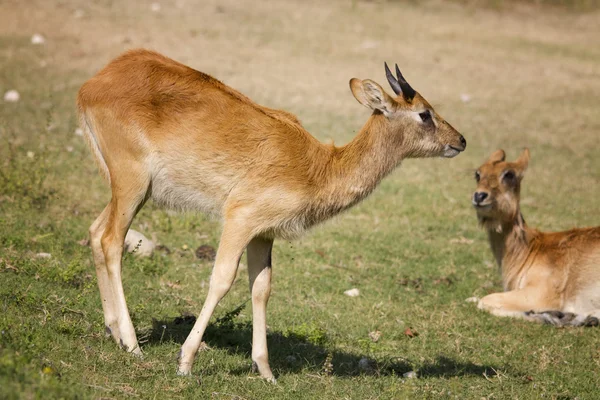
point(407, 91)
point(392, 81)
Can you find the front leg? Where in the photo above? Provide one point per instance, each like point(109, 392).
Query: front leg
point(259, 274)
point(234, 239)
point(519, 303)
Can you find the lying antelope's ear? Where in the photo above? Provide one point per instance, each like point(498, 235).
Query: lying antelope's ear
point(497, 156)
point(370, 94)
point(523, 161)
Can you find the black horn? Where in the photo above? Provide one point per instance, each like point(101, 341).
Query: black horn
point(407, 91)
point(392, 81)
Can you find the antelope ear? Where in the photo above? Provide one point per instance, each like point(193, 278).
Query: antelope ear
point(497, 156)
point(523, 161)
point(370, 94)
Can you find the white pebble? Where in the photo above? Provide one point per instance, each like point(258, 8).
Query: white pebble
point(155, 7)
point(79, 132)
point(12, 96)
point(465, 97)
point(352, 292)
point(43, 255)
point(410, 375)
point(38, 39)
point(69, 149)
point(30, 154)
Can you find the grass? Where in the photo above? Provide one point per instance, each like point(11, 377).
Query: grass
point(533, 81)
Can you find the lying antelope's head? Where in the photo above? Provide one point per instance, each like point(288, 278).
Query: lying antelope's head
point(498, 188)
point(422, 131)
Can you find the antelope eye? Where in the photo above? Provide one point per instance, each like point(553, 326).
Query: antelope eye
point(425, 116)
point(509, 176)
point(477, 176)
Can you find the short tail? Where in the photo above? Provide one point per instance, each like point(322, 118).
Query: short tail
point(561, 319)
point(92, 140)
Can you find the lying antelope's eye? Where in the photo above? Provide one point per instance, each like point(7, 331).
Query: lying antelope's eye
point(425, 116)
point(477, 176)
point(509, 176)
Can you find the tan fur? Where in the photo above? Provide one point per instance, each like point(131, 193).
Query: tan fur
point(161, 130)
point(548, 277)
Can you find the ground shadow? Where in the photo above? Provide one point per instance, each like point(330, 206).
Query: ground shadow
point(291, 352)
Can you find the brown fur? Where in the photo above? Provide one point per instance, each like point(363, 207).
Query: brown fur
point(548, 277)
point(161, 130)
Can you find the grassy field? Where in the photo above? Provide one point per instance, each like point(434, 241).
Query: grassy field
point(531, 76)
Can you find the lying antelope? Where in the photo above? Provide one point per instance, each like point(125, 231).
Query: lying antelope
point(547, 277)
point(159, 129)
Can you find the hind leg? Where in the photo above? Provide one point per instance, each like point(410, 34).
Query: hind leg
point(106, 292)
point(259, 274)
point(128, 197)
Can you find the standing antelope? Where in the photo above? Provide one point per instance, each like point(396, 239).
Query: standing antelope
point(547, 277)
point(159, 129)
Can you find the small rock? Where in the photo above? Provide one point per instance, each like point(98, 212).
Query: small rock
point(410, 375)
point(465, 98)
point(138, 244)
point(79, 132)
point(38, 39)
point(206, 252)
point(364, 364)
point(155, 7)
point(461, 240)
point(43, 255)
point(352, 292)
point(473, 299)
point(374, 336)
point(12, 96)
point(69, 149)
point(30, 154)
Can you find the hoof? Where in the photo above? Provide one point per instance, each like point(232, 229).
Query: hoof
point(269, 378)
point(183, 372)
point(107, 331)
point(591, 321)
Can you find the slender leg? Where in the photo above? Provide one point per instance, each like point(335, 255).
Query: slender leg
point(518, 303)
point(259, 274)
point(124, 206)
point(106, 292)
point(234, 240)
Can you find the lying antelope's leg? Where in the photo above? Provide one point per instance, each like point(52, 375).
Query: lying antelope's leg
point(259, 274)
point(518, 303)
point(234, 240)
point(126, 202)
point(106, 292)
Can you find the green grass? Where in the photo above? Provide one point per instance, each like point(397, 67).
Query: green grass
point(533, 84)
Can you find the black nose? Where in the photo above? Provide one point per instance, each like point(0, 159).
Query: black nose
point(463, 141)
point(479, 197)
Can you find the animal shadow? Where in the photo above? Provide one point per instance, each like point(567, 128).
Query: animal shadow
point(291, 352)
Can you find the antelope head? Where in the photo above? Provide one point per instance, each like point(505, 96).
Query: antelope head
point(420, 130)
point(497, 197)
